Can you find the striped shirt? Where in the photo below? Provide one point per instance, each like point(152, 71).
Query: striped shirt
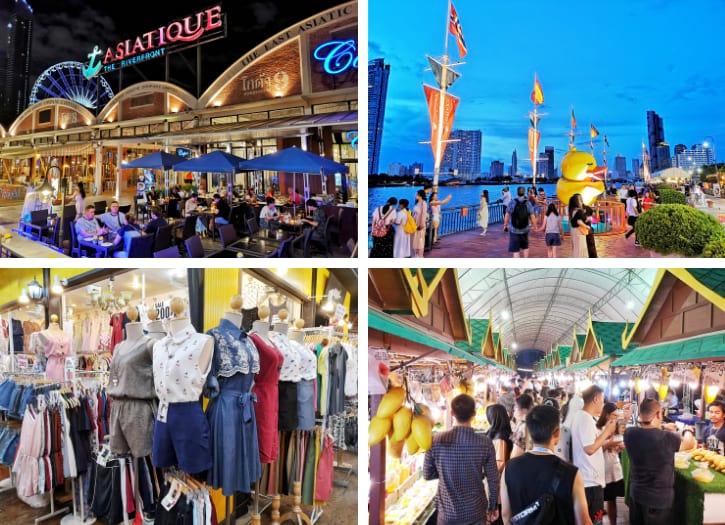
point(460, 459)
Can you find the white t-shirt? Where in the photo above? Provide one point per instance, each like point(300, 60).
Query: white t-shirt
point(584, 433)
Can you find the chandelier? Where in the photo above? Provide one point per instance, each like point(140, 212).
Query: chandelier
point(107, 300)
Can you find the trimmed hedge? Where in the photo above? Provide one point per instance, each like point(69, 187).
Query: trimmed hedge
point(677, 229)
point(670, 196)
point(715, 249)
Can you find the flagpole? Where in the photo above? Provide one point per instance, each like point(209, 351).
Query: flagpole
point(572, 129)
point(441, 105)
point(604, 161)
point(591, 139)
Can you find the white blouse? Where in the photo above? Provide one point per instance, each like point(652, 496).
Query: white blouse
point(290, 370)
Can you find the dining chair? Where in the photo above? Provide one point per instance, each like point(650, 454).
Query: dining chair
point(194, 248)
point(142, 246)
point(172, 252)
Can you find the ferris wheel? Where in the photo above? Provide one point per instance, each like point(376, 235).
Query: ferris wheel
point(66, 80)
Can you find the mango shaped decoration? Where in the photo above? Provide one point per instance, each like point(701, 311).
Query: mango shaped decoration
point(391, 402)
point(579, 174)
point(664, 387)
point(411, 444)
point(378, 429)
point(422, 431)
point(401, 423)
point(395, 449)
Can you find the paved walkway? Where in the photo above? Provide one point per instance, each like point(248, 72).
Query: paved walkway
point(495, 243)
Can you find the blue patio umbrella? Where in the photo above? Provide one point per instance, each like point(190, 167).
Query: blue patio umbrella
point(215, 162)
point(295, 160)
point(159, 160)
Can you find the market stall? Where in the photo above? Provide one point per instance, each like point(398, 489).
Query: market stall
point(420, 342)
point(109, 341)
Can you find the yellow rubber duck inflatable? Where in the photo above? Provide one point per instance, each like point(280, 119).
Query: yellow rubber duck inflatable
point(580, 174)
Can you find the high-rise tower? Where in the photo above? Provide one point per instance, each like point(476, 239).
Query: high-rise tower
point(659, 149)
point(463, 153)
point(378, 73)
point(16, 81)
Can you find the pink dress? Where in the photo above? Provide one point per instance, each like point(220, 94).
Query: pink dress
point(29, 451)
point(57, 348)
point(267, 391)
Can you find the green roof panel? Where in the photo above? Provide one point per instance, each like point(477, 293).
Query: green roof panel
point(585, 365)
point(712, 278)
point(697, 348)
point(609, 335)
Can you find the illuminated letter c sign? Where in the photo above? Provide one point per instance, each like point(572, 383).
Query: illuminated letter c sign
point(337, 56)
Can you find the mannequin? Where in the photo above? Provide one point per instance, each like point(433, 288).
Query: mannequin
point(181, 363)
point(234, 316)
point(266, 388)
point(131, 387)
point(231, 412)
point(55, 345)
point(308, 373)
point(155, 328)
point(289, 375)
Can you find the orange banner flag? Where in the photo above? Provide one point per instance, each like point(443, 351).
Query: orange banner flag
point(537, 95)
point(433, 97)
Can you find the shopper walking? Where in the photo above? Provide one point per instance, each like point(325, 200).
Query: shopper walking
point(483, 212)
point(401, 241)
point(521, 439)
point(531, 475)
point(587, 453)
point(460, 459)
point(383, 232)
point(500, 433)
point(551, 225)
point(632, 212)
point(578, 227)
point(521, 214)
point(613, 475)
point(652, 471)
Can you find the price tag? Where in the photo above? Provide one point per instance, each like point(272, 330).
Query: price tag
point(163, 410)
point(103, 456)
point(22, 361)
point(340, 311)
point(173, 496)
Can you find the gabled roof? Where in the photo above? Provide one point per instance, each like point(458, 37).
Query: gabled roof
point(609, 336)
point(478, 329)
point(694, 349)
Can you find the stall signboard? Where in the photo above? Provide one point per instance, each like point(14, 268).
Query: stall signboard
point(70, 369)
point(378, 371)
point(340, 311)
point(203, 26)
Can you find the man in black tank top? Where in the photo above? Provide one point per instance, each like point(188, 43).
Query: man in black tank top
point(527, 477)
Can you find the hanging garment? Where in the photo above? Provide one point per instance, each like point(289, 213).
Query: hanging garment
point(29, 452)
point(308, 475)
point(352, 369)
point(267, 391)
point(305, 387)
point(231, 412)
point(325, 471)
point(337, 365)
point(289, 376)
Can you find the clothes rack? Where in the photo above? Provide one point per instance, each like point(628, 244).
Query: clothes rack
point(53, 512)
point(75, 518)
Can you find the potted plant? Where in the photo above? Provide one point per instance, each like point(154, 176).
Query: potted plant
point(676, 229)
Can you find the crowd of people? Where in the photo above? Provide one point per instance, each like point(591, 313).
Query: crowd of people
point(543, 440)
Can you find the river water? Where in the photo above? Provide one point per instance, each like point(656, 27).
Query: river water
point(461, 195)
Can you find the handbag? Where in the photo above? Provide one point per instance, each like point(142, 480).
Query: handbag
point(543, 510)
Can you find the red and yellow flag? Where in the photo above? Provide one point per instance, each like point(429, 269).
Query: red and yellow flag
point(573, 119)
point(454, 26)
point(537, 95)
point(593, 132)
point(433, 96)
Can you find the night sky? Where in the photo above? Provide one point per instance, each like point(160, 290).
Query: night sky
point(612, 61)
point(68, 30)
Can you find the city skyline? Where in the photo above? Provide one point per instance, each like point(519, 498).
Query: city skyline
point(604, 61)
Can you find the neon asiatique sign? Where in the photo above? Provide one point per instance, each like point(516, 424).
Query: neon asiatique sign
point(337, 56)
point(191, 30)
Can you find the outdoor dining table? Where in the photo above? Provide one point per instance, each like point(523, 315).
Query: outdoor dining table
point(18, 246)
point(100, 247)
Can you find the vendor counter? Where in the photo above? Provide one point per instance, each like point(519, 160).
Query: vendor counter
point(696, 503)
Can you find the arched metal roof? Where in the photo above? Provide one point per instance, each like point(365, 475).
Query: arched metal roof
point(539, 308)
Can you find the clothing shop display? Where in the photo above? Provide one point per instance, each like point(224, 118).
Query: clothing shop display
point(55, 345)
point(306, 401)
point(267, 391)
point(231, 411)
point(181, 431)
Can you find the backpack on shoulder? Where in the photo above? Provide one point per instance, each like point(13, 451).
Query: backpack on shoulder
point(380, 227)
point(520, 215)
point(410, 225)
point(543, 510)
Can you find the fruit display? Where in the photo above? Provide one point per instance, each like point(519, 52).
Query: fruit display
point(403, 421)
point(715, 460)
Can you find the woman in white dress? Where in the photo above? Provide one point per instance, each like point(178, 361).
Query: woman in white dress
point(483, 212)
point(79, 199)
point(420, 214)
point(577, 226)
point(401, 242)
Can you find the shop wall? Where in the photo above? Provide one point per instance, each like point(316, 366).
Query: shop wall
point(684, 313)
point(12, 282)
point(220, 284)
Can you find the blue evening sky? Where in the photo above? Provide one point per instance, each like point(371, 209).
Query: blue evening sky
point(612, 61)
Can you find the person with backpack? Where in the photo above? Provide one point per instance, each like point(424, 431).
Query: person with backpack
point(541, 476)
point(383, 232)
point(403, 224)
point(521, 215)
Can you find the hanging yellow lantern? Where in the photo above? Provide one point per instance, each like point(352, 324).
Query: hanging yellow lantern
point(711, 393)
point(664, 387)
point(637, 385)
